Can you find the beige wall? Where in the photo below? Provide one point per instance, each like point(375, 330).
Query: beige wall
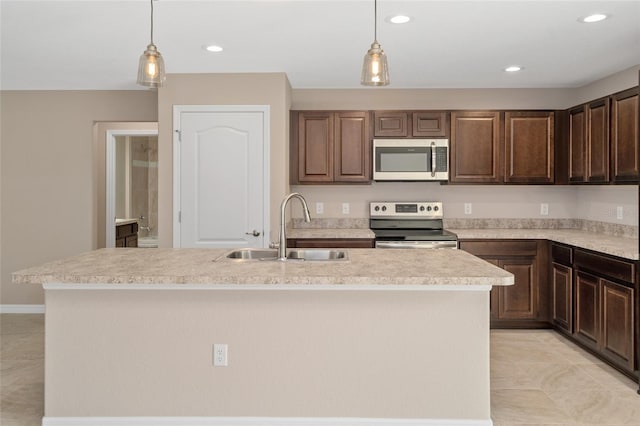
point(371, 354)
point(223, 89)
point(48, 183)
point(51, 198)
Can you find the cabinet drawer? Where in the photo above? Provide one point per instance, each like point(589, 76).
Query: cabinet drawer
point(605, 265)
point(500, 248)
point(562, 254)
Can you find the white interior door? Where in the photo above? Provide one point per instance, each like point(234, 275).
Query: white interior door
point(221, 176)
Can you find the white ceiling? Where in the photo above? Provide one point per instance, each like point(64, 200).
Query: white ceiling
point(94, 44)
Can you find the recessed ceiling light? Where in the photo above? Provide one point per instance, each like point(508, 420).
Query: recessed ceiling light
point(596, 17)
point(399, 19)
point(212, 48)
point(513, 68)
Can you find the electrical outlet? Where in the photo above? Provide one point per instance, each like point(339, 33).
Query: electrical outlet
point(467, 208)
point(544, 209)
point(319, 208)
point(220, 358)
point(345, 208)
point(619, 212)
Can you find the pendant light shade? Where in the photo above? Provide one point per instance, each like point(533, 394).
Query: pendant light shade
point(151, 66)
point(375, 69)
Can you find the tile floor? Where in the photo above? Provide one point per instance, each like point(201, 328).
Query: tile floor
point(537, 378)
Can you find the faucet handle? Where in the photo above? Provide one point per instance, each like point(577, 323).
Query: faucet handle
point(274, 245)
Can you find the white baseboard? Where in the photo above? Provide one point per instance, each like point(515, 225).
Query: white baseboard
point(21, 309)
point(254, 421)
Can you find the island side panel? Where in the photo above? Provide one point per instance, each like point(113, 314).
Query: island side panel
point(371, 354)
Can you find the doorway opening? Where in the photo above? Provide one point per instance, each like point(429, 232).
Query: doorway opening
point(126, 179)
point(136, 185)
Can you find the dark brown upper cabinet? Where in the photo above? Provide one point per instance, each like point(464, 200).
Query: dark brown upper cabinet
point(330, 147)
point(598, 141)
point(602, 140)
point(475, 147)
point(412, 124)
point(624, 136)
point(577, 144)
point(529, 147)
point(589, 142)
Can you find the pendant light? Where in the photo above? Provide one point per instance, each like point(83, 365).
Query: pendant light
point(151, 68)
point(375, 70)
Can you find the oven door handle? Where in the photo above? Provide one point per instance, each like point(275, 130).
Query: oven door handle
point(417, 244)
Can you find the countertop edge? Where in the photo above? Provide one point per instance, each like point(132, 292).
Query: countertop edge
point(273, 287)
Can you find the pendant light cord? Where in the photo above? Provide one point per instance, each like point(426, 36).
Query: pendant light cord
point(375, 20)
point(151, 21)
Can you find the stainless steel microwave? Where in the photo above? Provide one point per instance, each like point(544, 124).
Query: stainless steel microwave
point(411, 159)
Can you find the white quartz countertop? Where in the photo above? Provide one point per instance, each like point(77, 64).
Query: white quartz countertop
point(617, 246)
point(366, 267)
point(125, 221)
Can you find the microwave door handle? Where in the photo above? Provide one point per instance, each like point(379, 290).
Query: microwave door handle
point(433, 159)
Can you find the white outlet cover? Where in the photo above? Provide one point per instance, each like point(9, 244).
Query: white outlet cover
point(345, 208)
point(619, 213)
point(220, 355)
point(319, 208)
point(468, 209)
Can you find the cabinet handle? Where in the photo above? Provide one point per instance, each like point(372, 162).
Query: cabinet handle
point(254, 233)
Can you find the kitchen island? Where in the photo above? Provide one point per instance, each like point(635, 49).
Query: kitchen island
point(386, 337)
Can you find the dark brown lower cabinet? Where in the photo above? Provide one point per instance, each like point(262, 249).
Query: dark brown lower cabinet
point(561, 294)
point(604, 306)
point(587, 309)
point(522, 305)
point(330, 242)
point(127, 235)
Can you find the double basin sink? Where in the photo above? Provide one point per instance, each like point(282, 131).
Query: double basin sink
point(294, 254)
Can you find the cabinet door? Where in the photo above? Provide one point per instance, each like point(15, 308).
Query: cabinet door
point(598, 141)
point(519, 301)
point(330, 243)
point(391, 124)
point(562, 285)
point(352, 162)
point(430, 124)
point(624, 136)
point(618, 323)
point(529, 147)
point(577, 144)
point(587, 309)
point(475, 147)
point(315, 146)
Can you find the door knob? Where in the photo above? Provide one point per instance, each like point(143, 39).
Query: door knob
point(254, 233)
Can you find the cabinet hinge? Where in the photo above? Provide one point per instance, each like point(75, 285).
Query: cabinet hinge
point(180, 216)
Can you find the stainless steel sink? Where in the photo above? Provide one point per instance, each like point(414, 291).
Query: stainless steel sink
point(306, 254)
point(253, 254)
point(318, 254)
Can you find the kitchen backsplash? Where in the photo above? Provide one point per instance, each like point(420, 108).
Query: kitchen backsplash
point(592, 204)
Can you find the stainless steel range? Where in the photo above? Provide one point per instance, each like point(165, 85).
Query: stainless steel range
point(410, 225)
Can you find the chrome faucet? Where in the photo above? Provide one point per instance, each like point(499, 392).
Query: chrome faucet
point(282, 246)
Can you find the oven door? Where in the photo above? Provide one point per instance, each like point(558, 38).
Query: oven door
point(417, 244)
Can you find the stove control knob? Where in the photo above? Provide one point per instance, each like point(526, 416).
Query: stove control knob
point(421, 208)
point(435, 208)
point(377, 208)
point(384, 208)
point(428, 208)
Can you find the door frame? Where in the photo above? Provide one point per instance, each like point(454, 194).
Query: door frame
point(110, 178)
point(266, 144)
